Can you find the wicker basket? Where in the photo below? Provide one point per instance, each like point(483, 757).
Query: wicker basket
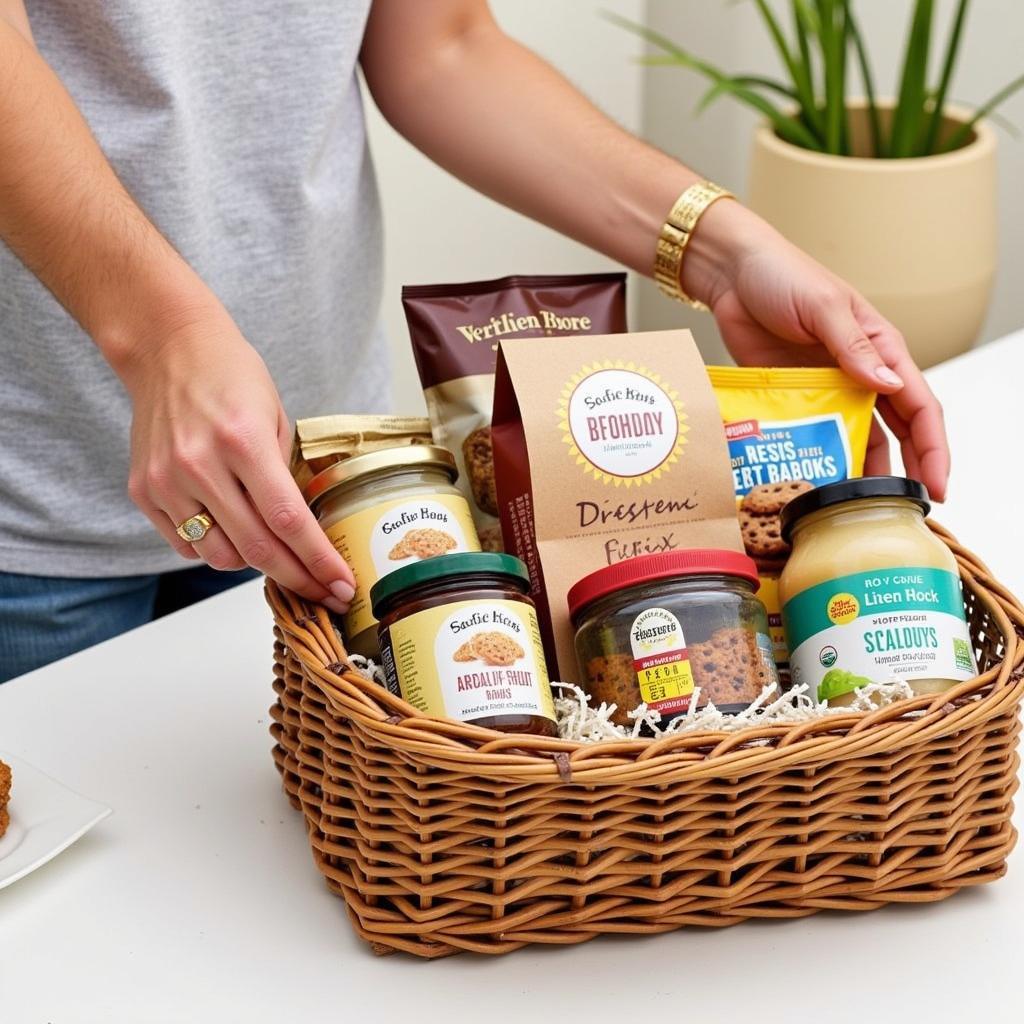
point(443, 837)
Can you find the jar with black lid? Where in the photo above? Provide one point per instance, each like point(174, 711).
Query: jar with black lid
point(459, 639)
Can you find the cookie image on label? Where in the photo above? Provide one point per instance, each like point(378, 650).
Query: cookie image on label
point(492, 648)
point(465, 652)
point(770, 499)
point(423, 543)
point(478, 452)
point(497, 649)
point(762, 535)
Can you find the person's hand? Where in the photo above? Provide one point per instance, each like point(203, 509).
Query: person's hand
point(776, 306)
point(209, 432)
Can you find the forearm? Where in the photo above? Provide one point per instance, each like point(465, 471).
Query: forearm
point(501, 119)
point(64, 212)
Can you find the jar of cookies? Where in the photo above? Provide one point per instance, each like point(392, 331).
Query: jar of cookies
point(671, 629)
point(385, 510)
point(459, 639)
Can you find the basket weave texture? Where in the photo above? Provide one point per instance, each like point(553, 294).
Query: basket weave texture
point(443, 837)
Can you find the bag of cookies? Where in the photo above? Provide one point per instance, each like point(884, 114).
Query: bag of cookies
point(789, 429)
point(320, 441)
point(605, 448)
point(455, 331)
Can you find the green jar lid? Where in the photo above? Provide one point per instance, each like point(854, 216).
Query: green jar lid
point(464, 564)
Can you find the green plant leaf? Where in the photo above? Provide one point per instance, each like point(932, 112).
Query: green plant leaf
point(864, 61)
point(804, 28)
point(749, 81)
point(952, 50)
point(962, 135)
point(799, 70)
point(788, 128)
point(908, 121)
point(832, 32)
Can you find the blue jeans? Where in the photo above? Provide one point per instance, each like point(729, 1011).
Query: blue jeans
point(43, 618)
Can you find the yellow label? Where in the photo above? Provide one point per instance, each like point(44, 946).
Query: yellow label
point(468, 660)
point(661, 661)
point(379, 540)
point(842, 609)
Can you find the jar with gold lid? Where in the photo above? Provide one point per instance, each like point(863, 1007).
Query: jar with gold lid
point(385, 510)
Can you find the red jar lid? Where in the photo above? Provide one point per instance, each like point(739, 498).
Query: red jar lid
point(662, 566)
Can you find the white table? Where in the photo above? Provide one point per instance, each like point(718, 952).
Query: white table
point(198, 899)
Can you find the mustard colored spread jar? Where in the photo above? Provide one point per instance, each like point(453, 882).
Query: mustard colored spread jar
point(869, 593)
point(385, 510)
point(459, 639)
point(670, 628)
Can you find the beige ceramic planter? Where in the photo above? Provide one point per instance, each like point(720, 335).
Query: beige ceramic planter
point(917, 236)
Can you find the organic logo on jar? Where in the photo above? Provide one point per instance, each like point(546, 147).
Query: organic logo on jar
point(827, 656)
point(621, 423)
point(842, 609)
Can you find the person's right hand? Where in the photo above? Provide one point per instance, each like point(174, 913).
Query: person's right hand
point(209, 433)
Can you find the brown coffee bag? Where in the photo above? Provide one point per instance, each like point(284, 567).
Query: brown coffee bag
point(320, 441)
point(455, 331)
point(606, 448)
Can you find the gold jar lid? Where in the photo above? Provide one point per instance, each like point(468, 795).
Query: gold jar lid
point(382, 462)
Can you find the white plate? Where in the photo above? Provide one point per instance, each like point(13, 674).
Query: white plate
point(46, 818)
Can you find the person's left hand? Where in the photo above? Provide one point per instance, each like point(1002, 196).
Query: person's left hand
point(776, 306)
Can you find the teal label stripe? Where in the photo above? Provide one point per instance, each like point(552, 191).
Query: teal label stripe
point(881, 592)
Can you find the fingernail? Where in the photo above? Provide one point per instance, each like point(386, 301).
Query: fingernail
point(343, 591)
point(888, 378)
point(335, 605)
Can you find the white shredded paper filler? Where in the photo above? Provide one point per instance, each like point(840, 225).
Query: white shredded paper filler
point(578, 720)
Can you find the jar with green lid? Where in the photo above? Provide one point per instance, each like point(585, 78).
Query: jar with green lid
point(657, 628)
point(385, 510)
point(459, 639)
point(869, 593)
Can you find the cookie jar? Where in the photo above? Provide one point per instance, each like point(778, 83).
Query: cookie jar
point(459, 639)
point(670, 629)
point(385, 510)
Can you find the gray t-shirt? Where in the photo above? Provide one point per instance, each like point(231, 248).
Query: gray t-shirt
point(238, 127)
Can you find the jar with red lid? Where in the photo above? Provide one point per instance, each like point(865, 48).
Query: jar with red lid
point(660, 629)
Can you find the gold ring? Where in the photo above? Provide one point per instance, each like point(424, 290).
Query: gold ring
point(195, 528)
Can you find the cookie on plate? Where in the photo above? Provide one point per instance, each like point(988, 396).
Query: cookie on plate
point(5, 794)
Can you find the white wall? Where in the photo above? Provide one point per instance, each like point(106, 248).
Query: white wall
point(717, 143)
point(436, 229)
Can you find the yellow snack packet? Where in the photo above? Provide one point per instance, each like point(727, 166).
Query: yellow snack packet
point(788, 429)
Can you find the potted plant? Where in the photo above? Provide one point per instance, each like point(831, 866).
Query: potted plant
point(896, 195)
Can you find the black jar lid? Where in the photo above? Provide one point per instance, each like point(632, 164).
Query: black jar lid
point(852, 490)
point(467, 566)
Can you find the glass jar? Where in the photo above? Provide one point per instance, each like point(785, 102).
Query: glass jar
point(656, 628)
point(459, 639)
point(385, 510)
point(870, 593)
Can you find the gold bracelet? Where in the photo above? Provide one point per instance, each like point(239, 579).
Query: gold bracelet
point(675, 236)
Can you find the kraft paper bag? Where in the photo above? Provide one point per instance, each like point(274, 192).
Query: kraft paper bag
point(605, 448)
point(321, 441)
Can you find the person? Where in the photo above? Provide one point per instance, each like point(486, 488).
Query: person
point(193, 254)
